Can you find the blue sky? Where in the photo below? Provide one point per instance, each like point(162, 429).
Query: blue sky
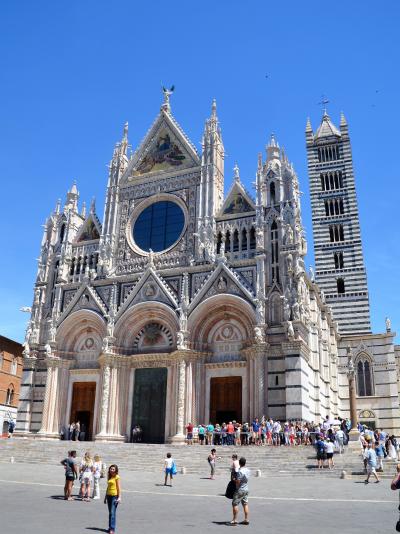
point(71, 74)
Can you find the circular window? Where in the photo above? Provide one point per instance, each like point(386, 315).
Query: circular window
point(158, 226)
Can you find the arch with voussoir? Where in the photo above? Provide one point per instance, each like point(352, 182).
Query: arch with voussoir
point(79, 326)
point(209, 317)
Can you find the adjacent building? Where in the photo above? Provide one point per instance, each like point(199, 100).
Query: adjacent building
point(184, 304)
point(10, 379)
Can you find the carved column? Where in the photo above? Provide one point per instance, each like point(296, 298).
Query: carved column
point(180, 405)
point(105, 395)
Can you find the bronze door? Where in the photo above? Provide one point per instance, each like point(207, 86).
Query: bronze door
point(149, 400)
point(225, 399)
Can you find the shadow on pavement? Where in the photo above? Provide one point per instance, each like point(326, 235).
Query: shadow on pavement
point(222, 523)
point(97, 529)
point(57, 497)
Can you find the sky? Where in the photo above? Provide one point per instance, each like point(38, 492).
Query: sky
point(72, 72)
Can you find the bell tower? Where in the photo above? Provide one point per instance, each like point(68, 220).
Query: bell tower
point(339, 259)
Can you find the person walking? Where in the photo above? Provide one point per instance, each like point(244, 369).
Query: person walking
point(241, 495)
point(113, 496)
point(71, 474)
point(371, 462)
point(169, 468)
point(329, 449)
point(86, 470)
point(320, 446)
point(339, 436)
point(97, 469)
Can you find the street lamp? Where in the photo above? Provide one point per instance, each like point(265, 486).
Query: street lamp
point(354, 434)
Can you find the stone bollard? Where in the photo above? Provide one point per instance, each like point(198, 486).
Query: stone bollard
point(12, 460)
point(258, 473)
point(343, 475)
point(183, 470)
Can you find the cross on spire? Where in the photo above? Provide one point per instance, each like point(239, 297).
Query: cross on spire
point(323, 103)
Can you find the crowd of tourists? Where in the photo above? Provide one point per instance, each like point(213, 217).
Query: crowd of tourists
point(263, 431)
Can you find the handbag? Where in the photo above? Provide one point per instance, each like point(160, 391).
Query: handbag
point(173, 469)
point(230, 489)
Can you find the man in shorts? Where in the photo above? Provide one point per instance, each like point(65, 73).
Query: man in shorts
point(241, 495)
point(370, 456)
point(189, 434)
point(71, 474)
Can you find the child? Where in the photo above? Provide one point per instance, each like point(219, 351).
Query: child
point(169, 468)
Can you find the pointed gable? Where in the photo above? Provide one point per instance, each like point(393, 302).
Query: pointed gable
point(84, 298)
point(237, 201)
point(165, 149)
point(90, 229)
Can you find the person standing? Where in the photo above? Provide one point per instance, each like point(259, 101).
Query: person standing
point(77, 431)
point(189, 434)
point(202, 434)
point(371, 462)
point(241, 495)
point(210, 433)
point(86, 470)
point(71, 474)
point(212, 458)
point(113, 496)
point(97, 469)
point(320, 446)
point(71, 428)
point(340, 440)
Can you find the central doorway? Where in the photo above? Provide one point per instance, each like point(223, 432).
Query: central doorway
point(149, 400)
point(226, 399)
point(82, 408)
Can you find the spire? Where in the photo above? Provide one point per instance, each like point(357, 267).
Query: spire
point(272, 148)
point(214, 109)
point(327, 128)
point(236, 173)
point(72, 198)
point(93, 205)
point(308, 126)
point(259, 163)
point(83, 211)
point(58, 205)
point(124, 142)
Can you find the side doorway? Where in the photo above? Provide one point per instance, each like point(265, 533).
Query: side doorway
point(82, 408)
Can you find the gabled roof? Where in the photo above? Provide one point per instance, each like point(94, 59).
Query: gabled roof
point(326, 128)
point(237, 201)
point(164, 149)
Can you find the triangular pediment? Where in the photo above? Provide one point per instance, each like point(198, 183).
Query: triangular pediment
point(222, 280)
point(85, 298)
point(90, 230)
point(165, 149)
point(150, 287)
point(238, 201)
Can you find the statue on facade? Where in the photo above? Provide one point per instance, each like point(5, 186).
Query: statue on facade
point(181, 342)
point(312, 274)
point(388, 324)
point(290, 330)
point(288, 240)
point(48, 351)
point(259, 334)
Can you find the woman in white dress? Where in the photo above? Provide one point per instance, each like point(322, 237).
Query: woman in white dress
point(97, 471)
point(86, 470)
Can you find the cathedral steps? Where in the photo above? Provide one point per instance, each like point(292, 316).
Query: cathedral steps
point(271, 461)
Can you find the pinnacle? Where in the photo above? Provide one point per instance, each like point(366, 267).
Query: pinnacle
point(308, 125)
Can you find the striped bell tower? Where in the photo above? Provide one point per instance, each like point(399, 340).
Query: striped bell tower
point(339, 260)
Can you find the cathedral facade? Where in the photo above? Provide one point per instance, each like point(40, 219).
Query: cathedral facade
point(188, 305)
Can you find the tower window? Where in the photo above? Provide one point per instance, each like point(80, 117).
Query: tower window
point(338, 258)
point(340, 285)
point(62, 232)
point(252, 238)
point(274, 252)
point(244, 239)
point(228, 241)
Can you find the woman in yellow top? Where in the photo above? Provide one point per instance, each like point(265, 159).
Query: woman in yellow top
point(113, 496)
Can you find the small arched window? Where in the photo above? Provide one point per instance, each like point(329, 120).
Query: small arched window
point(252, 237)
point(364, 378)
point(228, 241)
point(235, 241)
point(10, 395)
point(219, 241)
point(62, 232)
point(272, 193)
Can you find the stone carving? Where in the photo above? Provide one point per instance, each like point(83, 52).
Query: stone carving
point(105, 399)
point(222, 284)
point(312, 274)
point(259, 334)
point(388, 324)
